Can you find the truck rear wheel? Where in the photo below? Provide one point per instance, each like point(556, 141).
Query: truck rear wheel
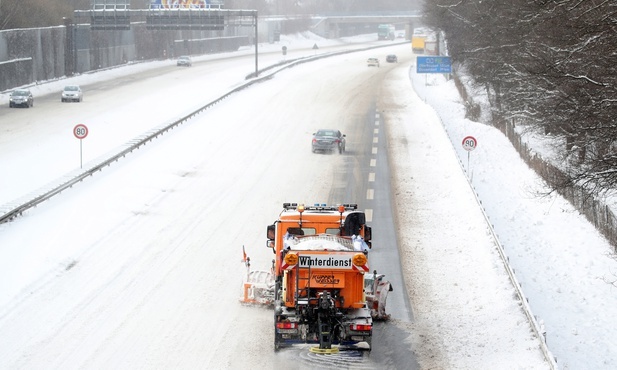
point(277, 344)
point(277, 336)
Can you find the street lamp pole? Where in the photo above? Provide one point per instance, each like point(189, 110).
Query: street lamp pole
point(256, 43)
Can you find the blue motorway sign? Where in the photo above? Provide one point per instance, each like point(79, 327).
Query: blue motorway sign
point(434, 65)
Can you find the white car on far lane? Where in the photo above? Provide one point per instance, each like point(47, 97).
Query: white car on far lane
point(372, 62)
point(72, 93)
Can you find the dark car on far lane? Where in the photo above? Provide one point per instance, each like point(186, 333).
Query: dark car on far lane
point(21, 98)
point(327, 140)
point(391, 58)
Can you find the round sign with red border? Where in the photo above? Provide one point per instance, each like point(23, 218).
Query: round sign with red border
point(80, 131)
point(470, 143)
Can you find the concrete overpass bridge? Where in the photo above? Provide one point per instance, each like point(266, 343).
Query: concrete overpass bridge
point(335, 26)
point(340, 25)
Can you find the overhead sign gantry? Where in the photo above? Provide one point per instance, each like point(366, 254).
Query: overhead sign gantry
point(164, 15)
point(116, 15)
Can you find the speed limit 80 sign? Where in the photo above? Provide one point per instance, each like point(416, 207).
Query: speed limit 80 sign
point(80, 131)
point(470, 143)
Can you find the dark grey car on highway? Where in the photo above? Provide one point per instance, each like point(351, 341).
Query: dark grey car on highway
point(327, 140)
point(21, 98)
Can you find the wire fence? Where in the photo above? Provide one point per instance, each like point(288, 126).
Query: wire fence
point(596, 211)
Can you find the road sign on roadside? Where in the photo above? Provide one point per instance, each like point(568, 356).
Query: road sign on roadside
point(470, 143)
point(80, 131)
point(433, 64)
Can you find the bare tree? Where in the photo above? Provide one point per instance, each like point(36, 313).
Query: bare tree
point(552, 63)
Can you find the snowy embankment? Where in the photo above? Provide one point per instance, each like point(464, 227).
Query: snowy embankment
point(564, 265)
point(466, 311)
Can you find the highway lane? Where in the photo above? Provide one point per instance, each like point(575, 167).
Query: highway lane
point(145, 263)
point(109, 110)
point(163, 93)
point(366, 178)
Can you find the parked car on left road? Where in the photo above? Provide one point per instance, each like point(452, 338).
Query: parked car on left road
point(72, 93)
point(21, 98)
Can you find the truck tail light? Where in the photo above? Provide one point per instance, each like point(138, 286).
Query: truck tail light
point(361, 327)
point(286, 325)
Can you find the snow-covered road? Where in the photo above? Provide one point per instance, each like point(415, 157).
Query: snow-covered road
point(131, 269)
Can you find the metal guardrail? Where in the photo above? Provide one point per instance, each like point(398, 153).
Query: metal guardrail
point(535, 325)
point(16, 208)
point(69, 180)
point(30, 201)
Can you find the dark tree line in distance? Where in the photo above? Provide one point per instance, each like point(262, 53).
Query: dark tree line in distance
point(550, 64)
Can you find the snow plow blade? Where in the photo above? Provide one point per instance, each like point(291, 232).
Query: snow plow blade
point(258, 288)
point(377, 289)
point(258, 285)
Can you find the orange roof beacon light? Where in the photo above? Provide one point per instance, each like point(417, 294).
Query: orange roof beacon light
point(300, 209)
point(341, 210)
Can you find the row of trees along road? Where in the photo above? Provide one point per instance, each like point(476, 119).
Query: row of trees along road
point(549, 64)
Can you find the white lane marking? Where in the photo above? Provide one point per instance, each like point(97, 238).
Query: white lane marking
point(370, 194)
point(368, 213)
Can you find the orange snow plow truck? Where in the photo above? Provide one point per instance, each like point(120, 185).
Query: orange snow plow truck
point(320, 285)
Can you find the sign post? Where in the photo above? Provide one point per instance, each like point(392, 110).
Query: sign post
point(469, 144)
point(80, 131)
point(433, 65)
point(437, 64)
